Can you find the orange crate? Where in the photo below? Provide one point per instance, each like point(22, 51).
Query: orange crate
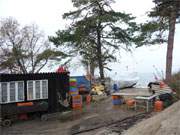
point(77, 106)
point(158, 106)
point(76, 97)
point(25, 104)
point(74, 93)
point(116, 97)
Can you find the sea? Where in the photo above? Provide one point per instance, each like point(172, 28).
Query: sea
point(145, 79)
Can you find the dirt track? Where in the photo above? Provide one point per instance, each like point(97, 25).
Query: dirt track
point(97, 119)
point(92, 116)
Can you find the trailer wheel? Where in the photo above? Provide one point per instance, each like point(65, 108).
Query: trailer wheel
point(44, 117)
point(6, 123)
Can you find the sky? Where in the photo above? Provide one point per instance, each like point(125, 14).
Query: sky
point(47, 14)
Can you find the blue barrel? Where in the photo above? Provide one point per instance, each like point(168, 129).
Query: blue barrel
point(117, 101)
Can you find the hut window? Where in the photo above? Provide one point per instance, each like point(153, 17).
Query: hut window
point(44, 89)
point(30, 95)
point(20, 89)
point(11, 91)
point(4, 91)
point(37, 89)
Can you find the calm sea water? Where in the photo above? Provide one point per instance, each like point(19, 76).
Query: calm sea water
point(144, 79)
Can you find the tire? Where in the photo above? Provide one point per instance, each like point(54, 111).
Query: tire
point(6, 123)
point(44, 117)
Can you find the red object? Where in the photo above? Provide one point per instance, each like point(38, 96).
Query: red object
point(88, 99)
point(23, 116)
point(25, 104)
point(162, 84)
point(158, 106)
point(130, 102)
point(61, 70)
point(73, 84)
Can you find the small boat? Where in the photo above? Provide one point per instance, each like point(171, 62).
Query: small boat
point(126, 81)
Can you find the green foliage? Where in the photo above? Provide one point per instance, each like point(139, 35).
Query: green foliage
point(164, 8)
point(24, 49)
point(96, 25)
point(50, 54)
point(175, 83)
point(155, 31)
point(165, 15)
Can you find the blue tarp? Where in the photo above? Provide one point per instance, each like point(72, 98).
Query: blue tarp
point(82, 81)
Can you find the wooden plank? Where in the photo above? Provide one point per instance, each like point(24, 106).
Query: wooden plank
point(146, 98)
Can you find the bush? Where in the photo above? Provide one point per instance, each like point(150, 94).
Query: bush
point(175, 83)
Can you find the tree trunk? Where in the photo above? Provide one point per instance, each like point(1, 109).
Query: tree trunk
point(99, 54)
point(17, 56)
point(87, 69)
point(92, 69)
point(169, 56)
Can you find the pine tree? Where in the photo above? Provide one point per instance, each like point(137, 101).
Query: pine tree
point(96, 24)
point(167, 13)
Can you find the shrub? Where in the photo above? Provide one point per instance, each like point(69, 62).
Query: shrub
point(175, 83)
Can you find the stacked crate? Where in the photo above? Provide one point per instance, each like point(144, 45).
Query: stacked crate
point(73, 87)
point(77, 102)
point(76, 98)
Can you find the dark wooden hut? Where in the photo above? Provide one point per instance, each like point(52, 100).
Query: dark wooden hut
point(32, 93)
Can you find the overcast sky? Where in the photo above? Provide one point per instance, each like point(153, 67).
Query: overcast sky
point(47, 14)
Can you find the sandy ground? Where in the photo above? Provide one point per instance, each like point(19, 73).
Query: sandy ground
point(97, 114)
point(118, 127)
point(164, 123)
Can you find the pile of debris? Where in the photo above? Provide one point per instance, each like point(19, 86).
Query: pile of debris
point(98, 89)
point(164, 123)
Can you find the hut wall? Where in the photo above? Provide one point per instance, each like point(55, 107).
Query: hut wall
point(58, 83)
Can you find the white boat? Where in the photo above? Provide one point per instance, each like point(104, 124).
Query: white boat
point(126, 81)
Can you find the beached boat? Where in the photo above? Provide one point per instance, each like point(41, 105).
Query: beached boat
point(126, 81)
